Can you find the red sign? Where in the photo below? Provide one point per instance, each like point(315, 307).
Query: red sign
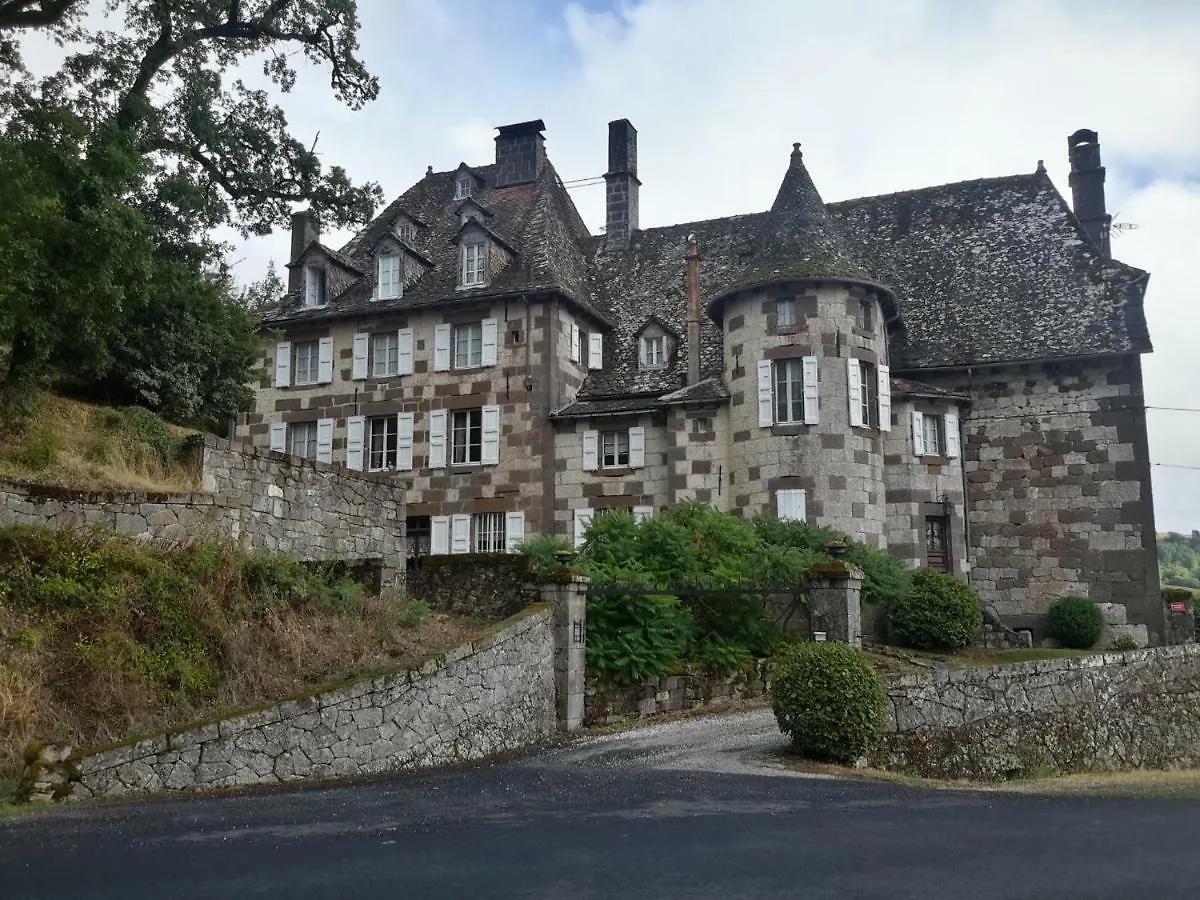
point(1178, 606)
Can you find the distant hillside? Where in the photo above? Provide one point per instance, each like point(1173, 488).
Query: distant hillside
point(1179, 559)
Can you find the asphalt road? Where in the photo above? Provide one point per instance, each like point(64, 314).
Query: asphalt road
point(699, 809)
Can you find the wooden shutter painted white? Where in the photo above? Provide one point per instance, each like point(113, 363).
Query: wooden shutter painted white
point(885, 398)
point(362, 349)
point(790, 505)
point(595, 350)
point(766, 411)
point(591, 451)
point(491, 333)
point(491, 436)
point(437, 439)
point(918, 433)
point(514, 530)
point(325, 440)
point(404, 441)
point(441, 348)
point(583, 518)
point(460, 534)
point(391, 279)
point(642, 513)
point(854, 380)
point(574, 341)
point(812, 390)
point(279, 437)
point(637, 447)
point(404, 353)
point(325, 361)
point(951, 424)
point(439, 535)
point(283, 364)
point(356, 427)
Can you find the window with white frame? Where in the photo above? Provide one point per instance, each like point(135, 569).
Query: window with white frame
point(315, 286)
point(391, 276)
point(785, 312)
point(385, 354)
point(652, 353)
point(474, 268)
point(933, 436)
point(614, 449)
point(462, 187)
point(466, 436)
point(869, 395)
point(789, 390)
point(489, 531)
point(382, 440)
point(302, 439)
point(406, 231)
point(306, 362)
point(467, 346)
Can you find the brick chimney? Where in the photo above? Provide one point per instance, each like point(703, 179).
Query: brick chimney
point(305, 230)
point(520, 152)
point(693, 310)
point(621, 184)
point(1087, 187)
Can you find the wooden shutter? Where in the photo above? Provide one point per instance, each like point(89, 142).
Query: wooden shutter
point(325, 440)
point(325, 361)
point(491, 435)
point(951, 425)
point(404, 441)
point(595, 350)
point(356, 427)
point(439, 535)
point(404, 354)
point(279, 437)
point(490, 330)
point(441, 348)
point(642, 513)
point(854, 380)
point(460, 534)
point(790, 505)
point(885, 398)
point(437, 439)
point(283, 364)
point(514, 531)
point(918, 433)
point(362, 349)
point(766, 411)
point(591, 451)
point(574, 341)
point(637, 447)
point(583, 518)
point(812, 390)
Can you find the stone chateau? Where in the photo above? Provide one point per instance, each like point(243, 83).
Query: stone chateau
point(952, 373)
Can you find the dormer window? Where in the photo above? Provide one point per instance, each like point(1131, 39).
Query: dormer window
point(315, 289)
point(391, 277)
point(474, 268)
point(406, 231)
point(653, 349)
point(462, 187)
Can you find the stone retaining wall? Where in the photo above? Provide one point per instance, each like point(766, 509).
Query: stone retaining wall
point(1109, 711)
point(483, 698)
point(605, 702)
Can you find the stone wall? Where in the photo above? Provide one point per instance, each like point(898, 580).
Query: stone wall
point(1109, 711)
point(490, 585)
point(693, 687)
point(487, 697)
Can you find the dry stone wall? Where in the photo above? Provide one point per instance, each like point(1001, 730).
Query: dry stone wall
point(605, 702)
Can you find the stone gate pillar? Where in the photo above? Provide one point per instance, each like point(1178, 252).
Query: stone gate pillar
point(569, 600)
point(836, 592)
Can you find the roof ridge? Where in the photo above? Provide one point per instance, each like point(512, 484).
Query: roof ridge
point(995, 179)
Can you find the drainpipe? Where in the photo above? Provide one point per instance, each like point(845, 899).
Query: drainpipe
point(693, 317)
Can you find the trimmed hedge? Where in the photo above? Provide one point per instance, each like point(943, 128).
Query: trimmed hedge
point(1075, 622)
point(940, 613)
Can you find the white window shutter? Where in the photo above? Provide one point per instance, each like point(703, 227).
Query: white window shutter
point(595, 350)
point(591, 451)
point(491, 333)
point(514, 530)
point(854, 379)
point(766, 411)
point(439, 535)
point(951, 424)
point(279, 437)
point(812, 390)
point(325, 361)
point(404, 442)
point(325, 440)
point(283, 364)
point(356, 427)
point(460, 534)
point(491, 436)
point(362, 348)
point(885, 398)
point(918, 432)
point(437, 439)
point(441, 348)
point(404, 355)
point(583, 518)
point(642, 513)
point(637, 447)
point(790, 505)
point(574, 341)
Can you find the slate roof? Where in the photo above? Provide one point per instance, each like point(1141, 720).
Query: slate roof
point(906, 387)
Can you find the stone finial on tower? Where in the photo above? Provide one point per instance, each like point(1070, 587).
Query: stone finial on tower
point(1087, 187)
point(621, 184)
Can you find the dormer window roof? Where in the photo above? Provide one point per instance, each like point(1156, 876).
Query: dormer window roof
point(470, 210)
point(655, 345)
point(462, 187)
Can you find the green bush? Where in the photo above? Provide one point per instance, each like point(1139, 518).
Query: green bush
point(829, 700)
point(543, 552)
point(635, 637)
point(939, 613)
point(1075, 622)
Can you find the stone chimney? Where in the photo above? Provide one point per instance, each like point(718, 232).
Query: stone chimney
point(520, 152)
point(621, 189)
point(305, 230)
point(693, 310)
point(1087, 187)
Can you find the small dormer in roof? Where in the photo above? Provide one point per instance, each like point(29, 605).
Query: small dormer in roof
point(466, 181)
point(471, 209)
